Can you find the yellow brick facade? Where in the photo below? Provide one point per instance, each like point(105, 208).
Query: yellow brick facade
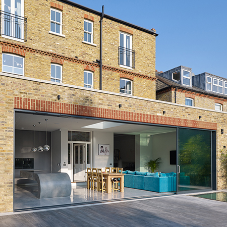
point(41, 47)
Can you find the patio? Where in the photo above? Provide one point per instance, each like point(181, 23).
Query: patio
point(25, 197)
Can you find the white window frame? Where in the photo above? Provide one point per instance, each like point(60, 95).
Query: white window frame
point(217, 85)
point(225, 88)
point(14, 55)
point(126, 80)
point(190, 100)
point(91, 80)
point(59, 11)
point(190, 78)
point(124, 46)
point(13, 12)
point(91, 33)
point(209, 83)
point(54, 78)
point(218, 107)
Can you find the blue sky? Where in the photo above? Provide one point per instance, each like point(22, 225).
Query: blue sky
point(192, 33)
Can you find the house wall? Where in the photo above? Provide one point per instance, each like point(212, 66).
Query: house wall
point(100, 161)
point(24, 142)
point(162, 150)
point(75, 56)
point(200, 100)
point(56, 151)
point(17, 93)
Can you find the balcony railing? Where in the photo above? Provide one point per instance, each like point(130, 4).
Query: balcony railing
point(126, 57)
point(13, 26)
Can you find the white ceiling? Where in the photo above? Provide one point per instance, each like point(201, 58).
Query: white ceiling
point(26, 121)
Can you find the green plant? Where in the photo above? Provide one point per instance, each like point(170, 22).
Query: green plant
point(153, 164)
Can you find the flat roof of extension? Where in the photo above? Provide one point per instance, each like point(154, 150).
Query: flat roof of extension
point(109, 17)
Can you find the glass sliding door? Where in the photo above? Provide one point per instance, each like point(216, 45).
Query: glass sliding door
point(194, 159)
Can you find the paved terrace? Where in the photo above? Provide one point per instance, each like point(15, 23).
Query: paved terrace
point(174, 210)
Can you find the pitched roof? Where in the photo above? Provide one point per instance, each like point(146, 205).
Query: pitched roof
point(163, 83)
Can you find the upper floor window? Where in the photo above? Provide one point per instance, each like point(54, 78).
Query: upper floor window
point(217, 85)
point(126, 86)
point(88, 31)
point(126, 54)
point(218, 106)
point(12, 64)
point(186, 78)
point(13, 21)
point(56, 73)
point(189, 102)
point(225, 88)
point(56, 21)
point(176, 76)
point(209, 83)
point(88, 79)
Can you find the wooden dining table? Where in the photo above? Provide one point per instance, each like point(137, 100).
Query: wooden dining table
point(109, 176)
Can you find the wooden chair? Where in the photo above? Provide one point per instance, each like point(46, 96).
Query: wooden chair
point(113, 170)
point(107, 169)
point(89, 177)
point(116, 181)
point(101, 182)
point(94, 178)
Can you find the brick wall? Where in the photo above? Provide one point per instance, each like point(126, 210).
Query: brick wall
point(99, 105)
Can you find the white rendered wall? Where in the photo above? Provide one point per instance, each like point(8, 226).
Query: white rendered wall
point(162, 144)
point(56, 151)
point(145, 151)
point(137, 152)
point(101, 161)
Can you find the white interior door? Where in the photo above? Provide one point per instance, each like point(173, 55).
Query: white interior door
point(79, 159)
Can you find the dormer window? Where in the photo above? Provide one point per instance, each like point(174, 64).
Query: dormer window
point(217, 85)
point(225, 88)
point(209, 83)
point(176, 76)
point(186, 78)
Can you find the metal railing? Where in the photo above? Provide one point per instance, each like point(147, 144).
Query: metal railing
point(126, 57)
point(13, 26)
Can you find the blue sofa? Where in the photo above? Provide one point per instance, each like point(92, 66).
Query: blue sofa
point(165, 182)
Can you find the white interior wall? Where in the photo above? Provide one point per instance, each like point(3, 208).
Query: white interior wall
point(145, 151)
point(65, 167)
point(137, 152)
point(56, 151)
point(100, 161)
point(162, 144)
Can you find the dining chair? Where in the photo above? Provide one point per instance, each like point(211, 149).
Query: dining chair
point(116, 181)
point(113, 170)
point(107, 169)
point(101, 182)
point(94, 178)
point(89, 177)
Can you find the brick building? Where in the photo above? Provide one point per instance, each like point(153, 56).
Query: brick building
point(53, 92)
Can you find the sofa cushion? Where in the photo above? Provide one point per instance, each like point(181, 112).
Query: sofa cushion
point(156, 174)
point(131, 172)
point(162, 175)
point(141, 173)
point(125, 172)
point(150, 174)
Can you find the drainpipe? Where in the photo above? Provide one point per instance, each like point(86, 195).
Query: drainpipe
point(176, 95)
point(100, 76)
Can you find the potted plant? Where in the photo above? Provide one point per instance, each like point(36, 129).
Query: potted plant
point(153, 164)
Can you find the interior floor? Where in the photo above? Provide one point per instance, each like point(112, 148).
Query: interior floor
point(25, 196)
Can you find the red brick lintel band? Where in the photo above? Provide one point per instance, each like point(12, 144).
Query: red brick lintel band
point(73, 109)
point(64, 58)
